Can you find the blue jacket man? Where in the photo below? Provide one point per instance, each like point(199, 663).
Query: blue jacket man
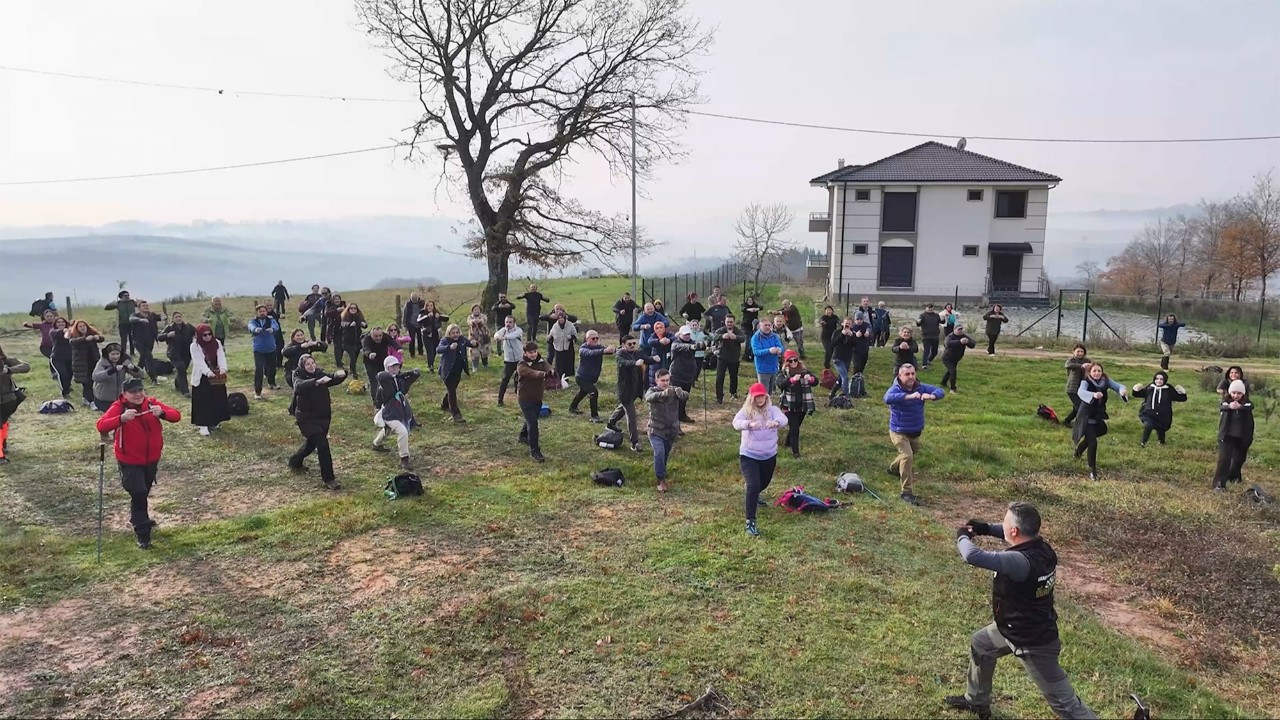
point(766, 348)
point(906, 398)
point(264, 329)
point(644, 323)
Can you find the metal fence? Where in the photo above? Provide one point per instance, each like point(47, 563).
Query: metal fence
point(673, 290)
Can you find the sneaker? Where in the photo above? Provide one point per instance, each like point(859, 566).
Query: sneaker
point(761, 502)
point(735, 398)
point(1219, 489)
point(537, 456)
point(752, 530)
point(1093, 476)
point(275, 387)
point(719, 401)
point(910, 499)
point(299, 468)
point(1142, 444)
point(501, 404)
point(635, 447)
point(458, 419)
point(596, 419)
point(144, 544)
point(689, 420)
point(381, 448)
point(332, 485)
point(574, 411)
point(662, 486)
point(257, 396)
point(894, 471)
point(960, 702)
point(204, 431)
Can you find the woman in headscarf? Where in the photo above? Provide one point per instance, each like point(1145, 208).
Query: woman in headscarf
point(208, 381)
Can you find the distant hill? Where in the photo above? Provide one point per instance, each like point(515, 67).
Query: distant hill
point(155, 267)
point(398, 282)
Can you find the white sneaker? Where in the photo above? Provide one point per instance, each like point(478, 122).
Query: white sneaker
point(204, 431)
point(257, 396)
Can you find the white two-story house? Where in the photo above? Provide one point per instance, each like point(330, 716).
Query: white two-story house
point(934, 222)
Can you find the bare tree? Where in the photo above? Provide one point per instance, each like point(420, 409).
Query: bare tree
point(1259, 212)
point(760, 244)
point(510, 90)
point(1157, 251)
point(1090, 270)
point(1207, 232)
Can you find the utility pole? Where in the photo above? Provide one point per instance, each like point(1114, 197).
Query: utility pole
point(633, 196)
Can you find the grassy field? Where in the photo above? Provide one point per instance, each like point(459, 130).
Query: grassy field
point(520, 590)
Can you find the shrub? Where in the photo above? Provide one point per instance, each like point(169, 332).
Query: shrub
point(1209, 380)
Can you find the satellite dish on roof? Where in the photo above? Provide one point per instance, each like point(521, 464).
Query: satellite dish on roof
point(960, 145)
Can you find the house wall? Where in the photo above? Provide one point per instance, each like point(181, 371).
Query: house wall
point(946, 222)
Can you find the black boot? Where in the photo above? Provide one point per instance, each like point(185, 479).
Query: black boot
point(1164, 362)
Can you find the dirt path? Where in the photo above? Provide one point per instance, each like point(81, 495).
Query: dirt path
point(1194, 364)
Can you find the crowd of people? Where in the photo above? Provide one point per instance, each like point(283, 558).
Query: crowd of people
point(658, 358)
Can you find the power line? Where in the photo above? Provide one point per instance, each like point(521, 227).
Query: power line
point(203, 169)
point(811, 126)
point(722, 116)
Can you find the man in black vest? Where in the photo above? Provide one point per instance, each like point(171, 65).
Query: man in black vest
point(1025, 621)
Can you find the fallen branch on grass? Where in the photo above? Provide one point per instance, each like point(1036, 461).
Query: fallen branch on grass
point(709, 700)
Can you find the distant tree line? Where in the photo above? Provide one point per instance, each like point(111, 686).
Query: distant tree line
point(1228, 250)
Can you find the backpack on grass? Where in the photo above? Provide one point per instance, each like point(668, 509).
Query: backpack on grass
point(56, 407)
point(161, 368)
point(840, 402)
point(857, 386)
point(609, 439)
point(608, 476)
point(237, 404)
point(553, 382)
point(797, 500)
point(544, 411)
point(1047, 413)
point(403, 485)
point(355, 387)
point(829, 379)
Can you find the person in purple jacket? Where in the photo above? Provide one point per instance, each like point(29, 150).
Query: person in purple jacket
point(758, 421)
point(906, 398)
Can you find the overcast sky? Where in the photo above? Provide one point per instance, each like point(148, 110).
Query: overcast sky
point(1048, 69)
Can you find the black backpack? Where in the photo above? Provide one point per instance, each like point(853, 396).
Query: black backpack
point(609, 439)
point(237, 404)
point(840, 402)
point(161, 367)
point(857, 386)
point(403, 485)
point(608, 476)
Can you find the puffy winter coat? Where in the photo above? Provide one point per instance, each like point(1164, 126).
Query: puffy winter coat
point(84, 357)
point(139, 441)
point(264, 334)
point(906, 417)
point(108, 379)
point(312, 409)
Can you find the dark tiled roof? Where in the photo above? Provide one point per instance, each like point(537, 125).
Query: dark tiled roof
point(935, 162)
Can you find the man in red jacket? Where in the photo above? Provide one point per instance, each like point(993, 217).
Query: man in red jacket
point(135, 419)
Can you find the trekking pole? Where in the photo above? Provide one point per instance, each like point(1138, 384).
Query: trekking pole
point(102, 466)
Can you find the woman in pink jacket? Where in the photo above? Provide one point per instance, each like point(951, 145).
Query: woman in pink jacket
point(758, 421)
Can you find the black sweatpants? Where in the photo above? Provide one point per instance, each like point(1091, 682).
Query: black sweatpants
point(827, 347)
point(726, 368)
point(180, 368)
point(882, 338)
point(371, 369)
point(264, 364)
point(137, 481)
point(315, 440)
point(1231, 456)
point(508, 370)
point(532, 322)
point(949, 377)
point(627, 409)
point(126, 338)
point(1089, 443)
point(61, 368)
point(449, 403)
point(1147, 427)
point(684, 403)
point(351, 352)
point(930, 351)
point(415, 342)
point(757, 474)
point(991, 344)
point(859, 362)
point(146, 358)
point(430, 341)
point(591, 392)
point(794, 419)
point(1075, 409)
point(86, 391)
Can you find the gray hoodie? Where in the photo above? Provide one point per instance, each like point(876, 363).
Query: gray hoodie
point(512, 342)
point(108, 379)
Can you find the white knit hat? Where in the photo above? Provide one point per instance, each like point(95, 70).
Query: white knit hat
point(1237, 386)
point(388, 361)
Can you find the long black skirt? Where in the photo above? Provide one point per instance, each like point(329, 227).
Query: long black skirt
point(209, 404)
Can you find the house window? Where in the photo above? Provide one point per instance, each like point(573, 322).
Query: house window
point(859, 249)
point(897, 267)
point(861, 195)
point(975, 195)
point(1011, 203)
point(971, 251)
point(898, 212)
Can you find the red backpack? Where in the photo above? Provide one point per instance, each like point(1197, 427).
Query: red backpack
point(1047, 413)
point(829, 379)
point(797, 500)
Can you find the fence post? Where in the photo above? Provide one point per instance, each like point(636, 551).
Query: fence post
point(1059, 331)
point(1084, 331)
point(594, 321)
point(398, 308)
point(1159, 310)
point(70, 312)
point(955, 302)
point(846, 299)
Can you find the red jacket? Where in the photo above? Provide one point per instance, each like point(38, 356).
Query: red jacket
point(138, 441)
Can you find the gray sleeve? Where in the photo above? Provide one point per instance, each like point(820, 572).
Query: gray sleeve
point(1013, 564)
point(996, 530)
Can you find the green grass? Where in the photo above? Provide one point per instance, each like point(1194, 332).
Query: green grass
point(513, 589)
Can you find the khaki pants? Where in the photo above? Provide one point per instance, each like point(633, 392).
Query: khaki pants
point(402, 436)
point(1165, 349)
point(905, 462)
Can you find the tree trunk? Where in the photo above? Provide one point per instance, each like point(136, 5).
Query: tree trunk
point(499, 266)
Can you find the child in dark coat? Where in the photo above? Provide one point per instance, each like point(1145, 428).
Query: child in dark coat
point(1157, 405)
point(1235, 435)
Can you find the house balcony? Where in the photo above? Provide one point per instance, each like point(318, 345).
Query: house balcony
point(819, 222)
